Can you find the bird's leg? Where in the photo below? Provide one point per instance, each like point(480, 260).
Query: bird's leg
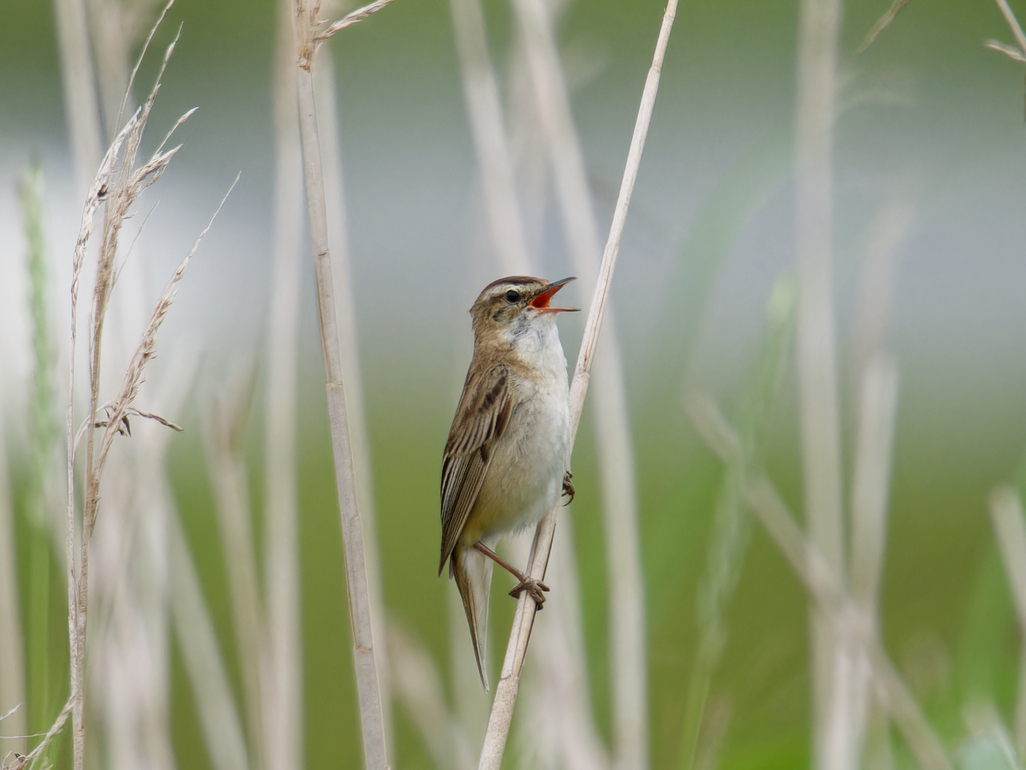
point(527, 583)
point(568, 487)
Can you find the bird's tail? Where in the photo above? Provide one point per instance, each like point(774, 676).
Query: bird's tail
point(472, 571)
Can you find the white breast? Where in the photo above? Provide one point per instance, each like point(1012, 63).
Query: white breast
point(525, 478)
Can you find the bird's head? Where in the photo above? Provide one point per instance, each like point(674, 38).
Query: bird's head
point(510, 307)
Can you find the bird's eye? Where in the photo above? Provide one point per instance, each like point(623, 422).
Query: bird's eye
point(512, 296)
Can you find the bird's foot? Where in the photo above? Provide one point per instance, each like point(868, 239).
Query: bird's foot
point(534, 589)
point(568, 487)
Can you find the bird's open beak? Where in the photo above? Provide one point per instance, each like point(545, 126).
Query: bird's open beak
point(541, 302)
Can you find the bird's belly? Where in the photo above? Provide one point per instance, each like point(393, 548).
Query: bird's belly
point(525, 478)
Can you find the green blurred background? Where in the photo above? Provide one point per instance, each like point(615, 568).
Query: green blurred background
point(929, 115)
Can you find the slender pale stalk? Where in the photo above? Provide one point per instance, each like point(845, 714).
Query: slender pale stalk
point(80, 98)
point(829, 593)
point(227, 469)
point(217, 714)
point(816, 359)
point(419, 687)
point(1010, 526)
point(345, 306)
point(847, 620)
point(626, 592)
point(870, 493)
point(523, 621)
point(484, 108)
point(368, 682)
point(281, 667)
point(561, 704)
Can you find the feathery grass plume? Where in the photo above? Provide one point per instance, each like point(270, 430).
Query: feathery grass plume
point(731, 522)
point(1006, 513)
point(309, 34)
point(119, 182)
point(523, 621)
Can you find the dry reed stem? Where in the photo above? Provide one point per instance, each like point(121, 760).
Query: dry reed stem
point(345, 306)
point(870, 493)
point(420, 689)
point(540, 59)
point(1010, 527)
point(816, 361)
point(215, 704)
point(484, 108)
point(368, 682)
point(828, 592)
point(562, 706)
point(281, 639)
point(79, 86)
point(523, 621)
point(847, 620)
point(227, 470)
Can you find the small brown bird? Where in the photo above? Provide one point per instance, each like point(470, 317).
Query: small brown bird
point(507, 459)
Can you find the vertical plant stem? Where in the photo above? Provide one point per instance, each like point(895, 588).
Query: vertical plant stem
point(79, 84)
point(816, 359)
point(368, 684)
point(523, 621)
point(338, 240)
point(870, 492)
point(216, 712)
point(281, 696)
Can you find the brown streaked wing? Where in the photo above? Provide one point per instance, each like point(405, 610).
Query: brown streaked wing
point(481, 418)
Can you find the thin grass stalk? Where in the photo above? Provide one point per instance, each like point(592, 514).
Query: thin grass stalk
point(281, 668)
point(870, 491)
point(815, 113)
point(523, 621)
point(1010, 527)
point(626, 593)
point(110, 47)
point(130, 638)
point(216, 711)
point(345, 306)
point(561, 703)
point(368, 683)
point(494, 160)
point(227, 469)
point(79, 86)
point(831, 597)
point(557, 729)
point(419, 688)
